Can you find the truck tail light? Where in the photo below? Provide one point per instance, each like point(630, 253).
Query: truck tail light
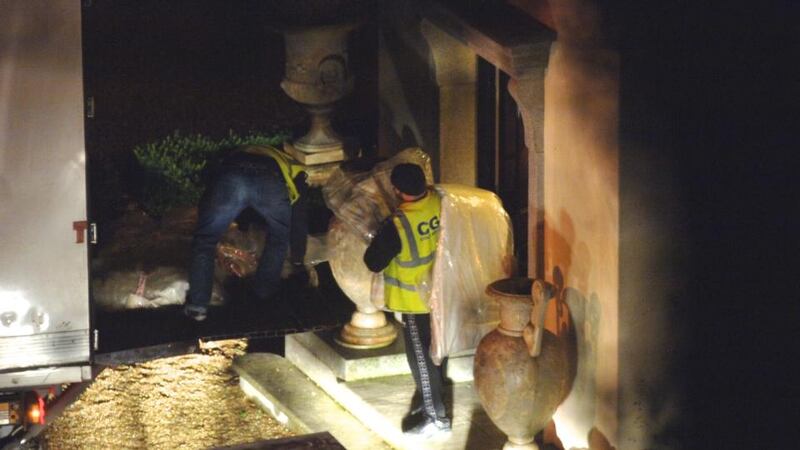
point(36, 411)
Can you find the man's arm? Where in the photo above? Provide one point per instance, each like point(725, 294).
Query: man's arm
point(383, 248)
point(298, 233)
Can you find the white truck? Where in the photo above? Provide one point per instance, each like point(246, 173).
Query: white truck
point(45, 338)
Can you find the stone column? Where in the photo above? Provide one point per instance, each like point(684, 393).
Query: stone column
point(528, 92)
point(456, 70)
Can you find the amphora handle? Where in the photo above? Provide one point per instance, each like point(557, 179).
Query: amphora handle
point(541, 294)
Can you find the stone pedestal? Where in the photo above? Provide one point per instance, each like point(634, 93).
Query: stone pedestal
point(348, 364)
point(315, 158)
point(367, 330)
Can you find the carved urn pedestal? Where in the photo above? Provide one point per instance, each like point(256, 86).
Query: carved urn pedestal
point(521, 370)
point(368, 328)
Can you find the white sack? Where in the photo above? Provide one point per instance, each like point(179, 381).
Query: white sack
point(137, 289)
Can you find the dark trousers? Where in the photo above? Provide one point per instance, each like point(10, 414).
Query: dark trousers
point(233, 190)
point(427, 376)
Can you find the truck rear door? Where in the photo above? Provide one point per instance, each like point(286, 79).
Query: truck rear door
point(44, 298)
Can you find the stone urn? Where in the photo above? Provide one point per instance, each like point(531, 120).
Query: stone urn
point(521, 370)
point(368, 327)
point(317, 76)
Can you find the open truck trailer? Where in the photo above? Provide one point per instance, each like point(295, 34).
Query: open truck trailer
point(52, 341)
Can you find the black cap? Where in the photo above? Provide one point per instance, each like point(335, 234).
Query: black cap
point(409, 179)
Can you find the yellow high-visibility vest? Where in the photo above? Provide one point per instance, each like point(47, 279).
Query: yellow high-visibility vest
point(417, 224)
point(289, 167)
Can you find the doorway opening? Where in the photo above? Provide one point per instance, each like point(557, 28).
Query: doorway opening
point(502, 153)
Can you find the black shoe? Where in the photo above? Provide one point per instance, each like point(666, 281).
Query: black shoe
point(413, 415)
point(429, 427)
point(411, 419)
point(194, 312)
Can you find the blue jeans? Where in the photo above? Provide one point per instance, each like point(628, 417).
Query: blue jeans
point(233, 190)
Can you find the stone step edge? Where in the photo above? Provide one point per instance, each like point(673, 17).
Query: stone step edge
point(324, 377)
point(272, 397)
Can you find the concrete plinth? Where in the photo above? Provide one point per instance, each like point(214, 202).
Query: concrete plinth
point(349, 364)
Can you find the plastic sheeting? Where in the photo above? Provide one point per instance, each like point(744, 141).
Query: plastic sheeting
point(475, 248)
point(139, 289)
point(239, 251)
point(362, 200)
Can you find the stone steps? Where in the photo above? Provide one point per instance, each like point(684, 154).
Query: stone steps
point(376, 403)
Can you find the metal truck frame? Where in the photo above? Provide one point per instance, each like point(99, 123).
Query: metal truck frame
point(45, 338)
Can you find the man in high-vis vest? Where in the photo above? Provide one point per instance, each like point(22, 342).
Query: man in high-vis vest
point(272, 184)
point(404, 248)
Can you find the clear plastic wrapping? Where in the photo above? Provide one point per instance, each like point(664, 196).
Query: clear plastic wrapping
point(348, 268)
point(475, 248)
point(363, 199)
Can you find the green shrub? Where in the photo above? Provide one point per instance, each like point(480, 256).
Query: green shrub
point(173, 166)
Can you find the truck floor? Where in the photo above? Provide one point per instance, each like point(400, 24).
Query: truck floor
point(293, 309)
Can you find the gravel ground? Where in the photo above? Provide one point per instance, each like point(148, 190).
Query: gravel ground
point(184, 402)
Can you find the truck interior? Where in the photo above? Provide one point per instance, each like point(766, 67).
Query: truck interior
point(151, 70)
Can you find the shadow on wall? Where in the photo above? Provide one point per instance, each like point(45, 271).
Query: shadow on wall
point(408, 94)
point(577, 314)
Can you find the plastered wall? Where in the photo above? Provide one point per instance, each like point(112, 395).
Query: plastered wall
point(581, 254)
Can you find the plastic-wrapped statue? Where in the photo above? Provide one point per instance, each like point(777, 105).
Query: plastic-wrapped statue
point(475, 247)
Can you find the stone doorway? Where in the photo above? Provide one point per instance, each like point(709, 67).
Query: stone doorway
point(502, 156)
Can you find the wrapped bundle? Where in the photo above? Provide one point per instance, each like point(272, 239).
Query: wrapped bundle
point(134, 289)
point(363, 199)
point(475, 248)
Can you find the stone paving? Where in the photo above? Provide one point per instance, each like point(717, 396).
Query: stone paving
point(376, 404)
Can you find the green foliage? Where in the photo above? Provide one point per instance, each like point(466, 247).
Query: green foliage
point(254, 138)
point(174, 166)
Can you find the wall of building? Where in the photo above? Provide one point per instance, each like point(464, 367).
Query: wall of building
point(408, 96)
point(581, 201)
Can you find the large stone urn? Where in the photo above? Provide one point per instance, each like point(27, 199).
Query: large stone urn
point(521, 370)
point(317, 76)
point(368, 327)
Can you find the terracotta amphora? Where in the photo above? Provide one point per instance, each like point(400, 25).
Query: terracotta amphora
point(520, 392)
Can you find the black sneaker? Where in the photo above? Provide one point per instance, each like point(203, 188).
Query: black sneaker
point(194, 312)
point(413, 416)
point(430, 427)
